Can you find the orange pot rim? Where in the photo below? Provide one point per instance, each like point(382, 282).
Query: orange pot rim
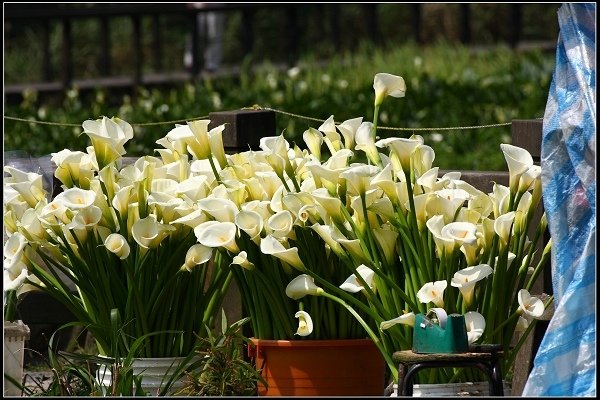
point(311, 343)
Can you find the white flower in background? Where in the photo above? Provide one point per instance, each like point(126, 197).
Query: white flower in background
point(475, 323)
point(433, 292)
point(117, 244)
point(305, 323)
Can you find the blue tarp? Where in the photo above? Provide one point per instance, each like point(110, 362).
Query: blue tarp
point(565, 364)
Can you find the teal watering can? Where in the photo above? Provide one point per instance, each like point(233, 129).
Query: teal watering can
point(437, 332)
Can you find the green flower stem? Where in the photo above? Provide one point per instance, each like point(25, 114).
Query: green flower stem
point(10, 308)
point(376, 340)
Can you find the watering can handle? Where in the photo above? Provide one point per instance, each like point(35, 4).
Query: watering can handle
point(441, 316)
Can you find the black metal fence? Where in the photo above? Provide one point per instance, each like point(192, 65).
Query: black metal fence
point(56, 78)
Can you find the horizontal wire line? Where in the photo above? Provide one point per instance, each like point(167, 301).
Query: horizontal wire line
point(289, 114)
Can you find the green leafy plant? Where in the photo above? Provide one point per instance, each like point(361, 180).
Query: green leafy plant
point(223, 370)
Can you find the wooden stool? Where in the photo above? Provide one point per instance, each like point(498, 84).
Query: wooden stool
point(486, 357)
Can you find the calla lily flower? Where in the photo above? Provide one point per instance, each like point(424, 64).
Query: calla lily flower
point(518, 160)
point(75, 198)
point(475, 323)
point(241, 259)
point(217, 234)
point(196, 255)
point(271, 246)
point(223, 210)
point(503, 226)
point(460, 232)
point(117, 244)
point(305, 323)
point(148, 232)
point(388, 85)
point(433, 292)
point(302, 285)
point(250, 222)
point(465, 280)
point(108, 138)
point(313, 139)
point(366, 142)
point(348, 130)
point(353, 285)
point(280, 224)
point(403, 148)
point(404, 319)
point(529, 305)
point(200, 147)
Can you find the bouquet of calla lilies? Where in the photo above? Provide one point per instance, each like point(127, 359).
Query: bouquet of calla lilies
point(116, 246)
point(346, 236)
point(368, 226)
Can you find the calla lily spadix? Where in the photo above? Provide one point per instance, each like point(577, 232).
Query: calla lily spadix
point(466, 278)
point(305, 323)
point(475, 323)
point(404, 319)
point(302, 285)
point(433, 292)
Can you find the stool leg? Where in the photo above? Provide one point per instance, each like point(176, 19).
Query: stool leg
point(498, 389)
point(401, 379)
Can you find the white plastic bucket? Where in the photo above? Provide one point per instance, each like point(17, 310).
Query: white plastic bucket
point(155, 373)
point(15, 335)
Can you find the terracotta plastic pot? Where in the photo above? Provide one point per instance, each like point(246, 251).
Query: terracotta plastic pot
point(352, 367)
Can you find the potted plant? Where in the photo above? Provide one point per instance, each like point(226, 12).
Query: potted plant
point(415, 240)
point(376, 210)
point(116, 246)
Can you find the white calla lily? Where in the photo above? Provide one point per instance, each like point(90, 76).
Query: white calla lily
point(475, 323)
point(302, 285)
point(433, 292)
point(388, 85)
point(271, 246)
point(117, 244)
point(353, 285)
point(466, 278)
point(148, 232)
point(529, 305)
point(404, 319)
point(241, 259)
point(217, 234)
point(305, 323)
point(196, 255)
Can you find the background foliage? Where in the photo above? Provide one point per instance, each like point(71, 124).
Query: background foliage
point(447, 86)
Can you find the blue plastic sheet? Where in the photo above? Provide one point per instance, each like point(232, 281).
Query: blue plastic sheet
point(565, 364)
